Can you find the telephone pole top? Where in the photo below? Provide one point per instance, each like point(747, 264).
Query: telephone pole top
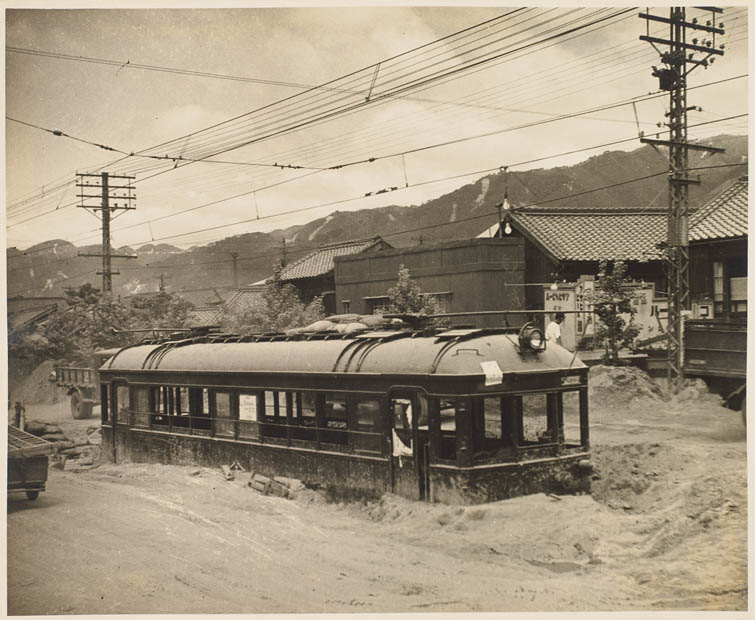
point(99, 194)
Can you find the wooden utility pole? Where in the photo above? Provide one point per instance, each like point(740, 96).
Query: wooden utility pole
point(124, 194)
point(235, 256)
point(679, 60)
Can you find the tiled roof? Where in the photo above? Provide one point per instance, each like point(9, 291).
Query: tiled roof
point(203, 316)
point(320, 262)
point(724, 217)
point(244, 298)
point(592, 234)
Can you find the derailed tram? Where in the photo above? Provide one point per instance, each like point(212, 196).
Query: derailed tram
point(455, 416)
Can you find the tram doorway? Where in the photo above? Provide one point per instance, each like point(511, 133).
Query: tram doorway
point(409, 445)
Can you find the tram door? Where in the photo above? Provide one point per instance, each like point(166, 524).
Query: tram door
point(409, 441)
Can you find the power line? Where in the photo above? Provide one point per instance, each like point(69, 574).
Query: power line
point(208, 160)
point(417, 229)
point(346, 200)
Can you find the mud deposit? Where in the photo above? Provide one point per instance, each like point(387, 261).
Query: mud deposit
point(664, 529)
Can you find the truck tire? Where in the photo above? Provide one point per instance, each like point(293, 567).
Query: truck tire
point(80, 410)
point(32, 495)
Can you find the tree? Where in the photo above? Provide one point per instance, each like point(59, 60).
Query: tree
point(160, 310)
point(612, 303)
point(278, 308)
point(406, 296)
point(75, 332)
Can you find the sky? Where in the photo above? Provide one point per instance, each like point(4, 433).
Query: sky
point(128, 79)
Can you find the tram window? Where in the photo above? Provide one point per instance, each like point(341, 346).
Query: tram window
point(308, 405)
point(535, 418)
point(448, 416)
point(122, 401)
point(275, 406)
point(335, 410)
point(571, 429)
point(224, 424)
point(140, 406)
point(367, 417)
point(199, 404)
point(182, 401)
point(248, 406)
point(249, 411)
point(492, 418)
point(158, 404)
point(104, 405)
point(141, 399)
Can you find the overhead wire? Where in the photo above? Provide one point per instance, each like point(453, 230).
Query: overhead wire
point(293, 251)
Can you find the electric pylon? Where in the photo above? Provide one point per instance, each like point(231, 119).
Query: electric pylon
point(679, 60)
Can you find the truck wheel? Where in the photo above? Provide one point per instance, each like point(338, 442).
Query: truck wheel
point(32, 495)
point(79, 409)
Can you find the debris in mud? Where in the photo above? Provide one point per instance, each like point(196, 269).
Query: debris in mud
point(69, 452)
point(279, 486)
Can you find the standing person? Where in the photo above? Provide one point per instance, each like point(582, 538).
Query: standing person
point(553, 331)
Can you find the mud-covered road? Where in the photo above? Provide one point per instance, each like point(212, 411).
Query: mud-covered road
point(665, 529)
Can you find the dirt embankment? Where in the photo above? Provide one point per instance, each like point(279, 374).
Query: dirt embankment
point(34, 386)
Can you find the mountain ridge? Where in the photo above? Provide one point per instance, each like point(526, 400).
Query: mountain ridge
point(204, 272)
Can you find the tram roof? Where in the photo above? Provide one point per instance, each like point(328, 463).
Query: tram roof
point(454, 352)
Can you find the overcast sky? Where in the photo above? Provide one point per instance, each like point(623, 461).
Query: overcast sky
point(279, 53)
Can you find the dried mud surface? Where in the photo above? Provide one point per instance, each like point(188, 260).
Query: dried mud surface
point(664, 529)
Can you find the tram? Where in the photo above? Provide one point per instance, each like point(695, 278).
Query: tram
point(459, 416)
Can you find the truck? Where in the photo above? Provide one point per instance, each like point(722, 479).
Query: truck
point(82, 383)
point(716, 351)
point(28, 458)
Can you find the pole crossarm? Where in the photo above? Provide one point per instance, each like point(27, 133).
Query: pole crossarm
point(119, 202)
point(666, 20)
point(686, 46)
point(690, 145)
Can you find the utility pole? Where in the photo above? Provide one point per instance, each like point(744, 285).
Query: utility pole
point(162, 282)
point(235, 256)
point(679, 60)
point(123, 194)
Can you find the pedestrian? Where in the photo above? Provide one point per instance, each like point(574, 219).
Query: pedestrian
point(553, 331)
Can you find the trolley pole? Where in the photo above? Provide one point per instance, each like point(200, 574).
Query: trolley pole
point(679, 60)
point(108, 203)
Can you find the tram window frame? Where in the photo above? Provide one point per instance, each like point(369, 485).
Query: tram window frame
point(104, 403)
point(121, 403)
point(255, 397)
point(141, 399)
point(225, 425)
point(332, 418)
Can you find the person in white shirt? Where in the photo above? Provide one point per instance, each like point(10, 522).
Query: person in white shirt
point(553, 331)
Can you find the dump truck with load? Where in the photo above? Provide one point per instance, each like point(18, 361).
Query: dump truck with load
point(82, 383)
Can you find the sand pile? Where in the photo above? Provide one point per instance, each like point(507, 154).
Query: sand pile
point(36, 388)
point(620, 385)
